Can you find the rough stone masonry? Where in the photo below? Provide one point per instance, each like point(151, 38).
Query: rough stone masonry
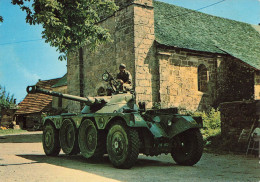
point(161, 74)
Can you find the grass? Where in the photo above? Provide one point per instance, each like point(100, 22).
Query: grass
point(11, 131)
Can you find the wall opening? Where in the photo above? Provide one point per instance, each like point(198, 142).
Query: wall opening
point(202, 78)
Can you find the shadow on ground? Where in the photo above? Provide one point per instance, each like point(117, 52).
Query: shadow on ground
point(102, 167)
point(78, 160)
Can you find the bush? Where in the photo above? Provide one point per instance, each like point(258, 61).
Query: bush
point(6, 100)
point(211, 123)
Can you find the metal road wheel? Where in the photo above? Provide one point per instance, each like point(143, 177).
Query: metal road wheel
point(122, 146)
point(50, 140)
point(91, 141)
point(68, 137)
point(187, 147)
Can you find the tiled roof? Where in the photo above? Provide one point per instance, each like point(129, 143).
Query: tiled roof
point(34, 103)
point(189, 29)
point(61, 82)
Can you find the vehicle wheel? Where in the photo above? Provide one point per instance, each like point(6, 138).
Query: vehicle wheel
point(91, 141)
point(122, 146)
point(187, 147)
point(68, 138)
point(50, 140)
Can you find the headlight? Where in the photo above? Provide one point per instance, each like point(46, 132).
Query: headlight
point(105, 77)
point(169, 123)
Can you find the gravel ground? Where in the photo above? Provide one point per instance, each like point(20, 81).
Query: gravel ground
point(22, 159)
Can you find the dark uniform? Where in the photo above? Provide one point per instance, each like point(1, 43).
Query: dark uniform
point(125, 76)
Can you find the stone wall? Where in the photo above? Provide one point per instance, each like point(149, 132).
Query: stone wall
point(146, 65)
point(123, 3)
point(236, 116)
point(132, 32)
point(7, 117)
point(111, 55)
point(55, 100)
point(257, 85)
point(227, 79)
point(73, 80)
point(33, 121)
point(178, 70)
point(235, 81)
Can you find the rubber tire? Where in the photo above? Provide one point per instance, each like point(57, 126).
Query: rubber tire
point(129, 143)
point(69, 138)
point(96, 149)
point(192, 142)
point(50, 140)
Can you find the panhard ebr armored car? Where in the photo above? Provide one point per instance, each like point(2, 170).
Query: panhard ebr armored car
point(116, 126)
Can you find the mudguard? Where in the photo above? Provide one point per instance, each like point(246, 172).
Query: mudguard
point(171, 125)
point(55, 120)
point(58, 119)
point(182, 123)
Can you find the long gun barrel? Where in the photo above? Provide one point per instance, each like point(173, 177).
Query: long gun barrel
point(87, 100)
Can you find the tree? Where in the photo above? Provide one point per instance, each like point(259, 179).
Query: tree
point(1, 19)
point(6, 100)
point(69, 24)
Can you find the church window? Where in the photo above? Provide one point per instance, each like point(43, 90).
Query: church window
point(202, 78)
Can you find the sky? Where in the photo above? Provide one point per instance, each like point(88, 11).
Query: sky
point(25, 57)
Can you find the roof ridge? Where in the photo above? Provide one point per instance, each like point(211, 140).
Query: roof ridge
point(49, 79)
point(196, 11)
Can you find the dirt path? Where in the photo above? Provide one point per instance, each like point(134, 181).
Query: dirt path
point(22, 159)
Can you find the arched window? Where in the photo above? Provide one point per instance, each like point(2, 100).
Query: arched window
point(202, 78)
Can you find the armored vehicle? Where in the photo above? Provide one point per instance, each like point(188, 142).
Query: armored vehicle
point(116, 126)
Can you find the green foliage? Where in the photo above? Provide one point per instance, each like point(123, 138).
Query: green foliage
point(1, 19)
point(69, 24)
point(211, 122)
point(156, 105)
point(6, 100)
point(10, 131)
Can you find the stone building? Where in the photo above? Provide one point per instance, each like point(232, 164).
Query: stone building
point(7, 116)
point(177, 57)
point(35, 106)
point(58, 103)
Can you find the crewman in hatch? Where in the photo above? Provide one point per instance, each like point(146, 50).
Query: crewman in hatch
point(124, 77)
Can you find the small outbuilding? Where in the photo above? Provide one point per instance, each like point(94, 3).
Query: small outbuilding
point(35, 106)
